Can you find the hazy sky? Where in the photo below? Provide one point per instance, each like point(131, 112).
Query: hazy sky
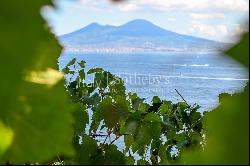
point(219, 20)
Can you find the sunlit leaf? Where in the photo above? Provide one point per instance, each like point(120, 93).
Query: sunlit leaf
point(34, 104)
point(6, 135)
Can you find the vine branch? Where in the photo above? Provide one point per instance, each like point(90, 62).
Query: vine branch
point(182, 98)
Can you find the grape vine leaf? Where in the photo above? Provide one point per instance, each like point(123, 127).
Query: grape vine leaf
point(240, 51)
point(130, 160)
point(227, 133)
point(6, 135)
point(88, 153)
point(113, 156)
point(34, 108)
point(227, 126)
point(81, 120)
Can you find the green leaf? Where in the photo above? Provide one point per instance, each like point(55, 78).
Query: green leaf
point(34, 107)
point(155, 130)
point(131, 127)
point(180, 137)
point(95, 70)
point(81, 120)
point(194, 117)
point(94, 100)
point(96, 119)
point(183, 105)
point(143, 107)
point(111, 114)
point(66, 70)
point(142, 162)
point(34, 122)
point(103, 79)
point(196, 139)
point(143, 137)
point(153, 160)
point(132, 123)
point(228, 133)
point(135, 101)
point(240, 51)
point(82, 74)
point(223, 96)
point(72, 62)
point(6, 135)
point(171, 134)
point(89, 153)
point(114, 111)
point(165, 107)
point(113, 156)
point(227, 126)
point(164, 155)
point(156, 104)
point(122, 107)
point(128, 140)
point(156, 99)
point(82, 64)
point(152, 117)
point(130, 160)
point(155, 144)
point(117, 88)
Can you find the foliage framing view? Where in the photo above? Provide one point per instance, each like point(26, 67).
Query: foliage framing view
point(36, 121)
point(158, 128)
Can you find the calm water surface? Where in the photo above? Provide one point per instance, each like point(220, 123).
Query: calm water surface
point(199, 77)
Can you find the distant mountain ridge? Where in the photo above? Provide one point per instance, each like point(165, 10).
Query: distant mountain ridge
point(135, 36)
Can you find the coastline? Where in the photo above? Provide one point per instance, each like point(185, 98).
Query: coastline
point(143, 52)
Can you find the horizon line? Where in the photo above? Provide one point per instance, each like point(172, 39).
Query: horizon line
point(60, 35)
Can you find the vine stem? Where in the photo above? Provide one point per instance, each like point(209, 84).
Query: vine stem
point(129, 152)
point(182, 98)
point(96, 135)
point(114, 140)
point(59, 158)
point(105, 139)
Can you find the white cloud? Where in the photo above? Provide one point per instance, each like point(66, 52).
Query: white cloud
point(218, 6)
point(204, 16)
point(127, 7)
point(97, 5)
point(226, 33)
point(171, 19)
point(232, 5)
point(90, 3)
point(197, 10)
point(238, 29)
point(203, 29)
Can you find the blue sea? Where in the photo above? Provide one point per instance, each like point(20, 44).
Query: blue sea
point(199, 77)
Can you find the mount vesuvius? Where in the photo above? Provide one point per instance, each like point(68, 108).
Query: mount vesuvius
point(135, 36)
